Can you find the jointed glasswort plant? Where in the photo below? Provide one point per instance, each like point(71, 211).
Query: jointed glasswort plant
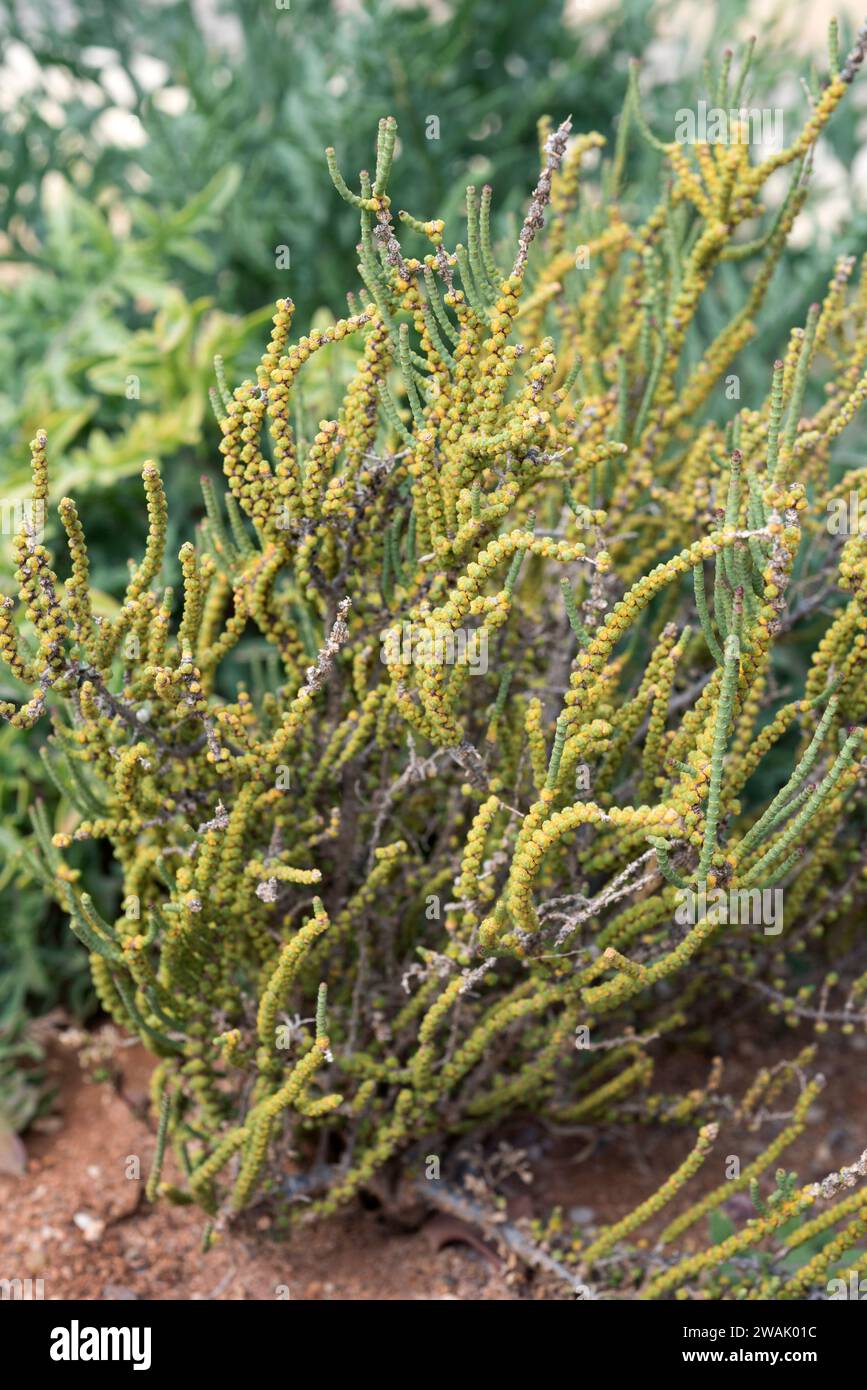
point(528, 604)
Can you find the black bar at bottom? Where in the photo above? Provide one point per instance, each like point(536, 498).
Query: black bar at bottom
point(65, 1339)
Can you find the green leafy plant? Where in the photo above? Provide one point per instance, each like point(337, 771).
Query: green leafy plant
point(446, 760)
point(119, 353)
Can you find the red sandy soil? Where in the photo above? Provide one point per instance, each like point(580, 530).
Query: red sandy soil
point(75, 1220)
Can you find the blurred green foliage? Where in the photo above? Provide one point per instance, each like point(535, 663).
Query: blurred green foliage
point(105, 352)
point(266, 88)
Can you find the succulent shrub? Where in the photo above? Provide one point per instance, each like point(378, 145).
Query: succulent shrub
point(529, 614)
point(115, 296)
